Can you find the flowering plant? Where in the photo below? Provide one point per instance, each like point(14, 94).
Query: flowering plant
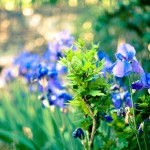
point(112, 115)
point(104, 103)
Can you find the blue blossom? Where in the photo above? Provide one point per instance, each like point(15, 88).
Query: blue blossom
point(9, 75)
point(60, 100)
point(126, 61)
point(107, 64)
point(144, 82)
point(27, 63)
point(54, 50)
point(121, 97)
point(65, 38)
point(45, 71)
point(108, 118)
point(78, 133)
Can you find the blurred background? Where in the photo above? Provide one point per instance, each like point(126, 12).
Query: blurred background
point(28, 25)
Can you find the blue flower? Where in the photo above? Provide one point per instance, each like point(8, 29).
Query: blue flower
point(108, 118)
point(61, 100)
point(78, 133)
point(126, 61)
point(107, 63)
point(121, 97)
point(27, 63)
point(144, 82)
point(116, 98)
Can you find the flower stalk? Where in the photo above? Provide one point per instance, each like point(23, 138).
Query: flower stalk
point(134, 119)
point(91, 138)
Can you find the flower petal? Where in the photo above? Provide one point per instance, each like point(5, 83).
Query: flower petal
point(120, 57)
point(143, 79)
point(127, 51)
point(116, 100)
point(122, 68)
point(148, 75)
point(128, 102)
point(136, 66)
point(137, 85)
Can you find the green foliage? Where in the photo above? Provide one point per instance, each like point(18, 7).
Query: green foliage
point(124, 21)
point(91, 91)
point(26, 125)
point(143, 108)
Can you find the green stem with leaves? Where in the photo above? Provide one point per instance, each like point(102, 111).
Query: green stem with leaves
point(91, 138)
point(134, 119)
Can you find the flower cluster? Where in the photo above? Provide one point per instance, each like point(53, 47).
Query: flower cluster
point(120, 97)
point(46, 71)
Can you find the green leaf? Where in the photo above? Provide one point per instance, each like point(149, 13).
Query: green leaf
point(63, 61)
point(75, 103)
point(96, 93)
point(69, 55)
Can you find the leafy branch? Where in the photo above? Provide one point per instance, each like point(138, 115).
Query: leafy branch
point(90, 90)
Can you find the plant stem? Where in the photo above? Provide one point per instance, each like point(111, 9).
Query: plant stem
point(134, 120)
point(91, 139)
point(145, 136)
point(145, 143)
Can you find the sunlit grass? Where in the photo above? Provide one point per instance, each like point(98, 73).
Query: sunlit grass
point(26, 125)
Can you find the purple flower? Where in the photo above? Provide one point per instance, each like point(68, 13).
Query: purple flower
point(60, 100)
point(116, 98)
point(27, 63)
point(120, 97)
point(143, 83)
point(107, 63)
point(126, 61)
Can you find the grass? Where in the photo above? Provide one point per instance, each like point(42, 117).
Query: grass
point(26, 125)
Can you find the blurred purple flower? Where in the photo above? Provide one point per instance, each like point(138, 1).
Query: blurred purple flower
point(27, 63)
point(60, 100)
point(144, 82)
point(101, 55)
point(120, 97)
point(126, 61)
point(45, 70)
point(54, 49)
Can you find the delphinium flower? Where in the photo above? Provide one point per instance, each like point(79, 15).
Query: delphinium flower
point(54, 50)
point(60, 100)
point(65, 38)
point(126, 61)
point(44, 70)
point(51, 85)
point(27, 62)
point(120, 97)
point(144, 82)
point(78, 133)
point(108, 118)
point(50, 72)
point(108, 63)
point(9, 74)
